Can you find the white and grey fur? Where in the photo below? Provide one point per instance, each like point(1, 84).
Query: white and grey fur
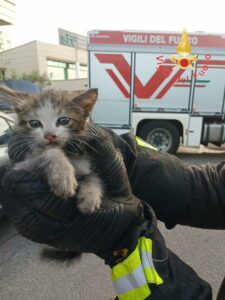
point(46, 142)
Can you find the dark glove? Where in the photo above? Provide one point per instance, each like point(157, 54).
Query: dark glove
point(111, 168)
point(43, 217)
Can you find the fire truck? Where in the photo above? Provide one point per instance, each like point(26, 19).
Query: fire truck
point(143, 90)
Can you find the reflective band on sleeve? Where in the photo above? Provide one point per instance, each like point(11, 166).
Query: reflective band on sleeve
point(132, 281)
point(130, 264)
point(143, 144)
point(145, 246)
point(136, 294)
point(149, 269)
point(132, 276)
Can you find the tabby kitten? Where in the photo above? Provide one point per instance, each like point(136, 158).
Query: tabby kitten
point(51, 121)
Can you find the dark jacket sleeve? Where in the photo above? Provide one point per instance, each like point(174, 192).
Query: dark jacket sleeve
point(179, 193)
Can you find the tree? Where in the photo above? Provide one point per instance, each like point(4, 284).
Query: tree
point(40, 79)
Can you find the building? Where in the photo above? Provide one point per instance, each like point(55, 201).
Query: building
point(5, 42)
point(7, 17)
point(7, 12)
point(63, 65)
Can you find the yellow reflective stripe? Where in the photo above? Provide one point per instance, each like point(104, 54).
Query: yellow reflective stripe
point(145, 244)
point(136, 294)
point(132, 281)
point(152, 276)
point(132, 276)
point(127, 266)
point(149, 269)
point(143, 144)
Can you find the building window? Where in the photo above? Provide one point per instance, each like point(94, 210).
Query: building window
point(71, 71)
point(83, 71)
point(58, 70)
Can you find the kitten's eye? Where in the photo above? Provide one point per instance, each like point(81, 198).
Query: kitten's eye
point(35, 123)
point(63, 121)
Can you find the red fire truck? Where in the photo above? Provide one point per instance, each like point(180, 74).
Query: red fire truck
point(141, 89)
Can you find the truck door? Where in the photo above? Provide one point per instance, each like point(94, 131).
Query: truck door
point(110, 72)
point(159, 84)
point(209, 84)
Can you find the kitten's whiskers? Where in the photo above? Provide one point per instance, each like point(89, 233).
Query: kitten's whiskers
point(20, 149)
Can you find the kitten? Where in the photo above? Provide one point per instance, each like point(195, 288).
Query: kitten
point(51, 121)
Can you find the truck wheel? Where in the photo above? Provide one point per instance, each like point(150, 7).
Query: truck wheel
point(161, 134)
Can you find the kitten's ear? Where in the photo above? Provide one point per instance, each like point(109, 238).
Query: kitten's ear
point(16, 98)
point(87, 100)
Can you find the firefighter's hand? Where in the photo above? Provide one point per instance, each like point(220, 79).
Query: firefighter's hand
point(111, 168)
point(43, 217)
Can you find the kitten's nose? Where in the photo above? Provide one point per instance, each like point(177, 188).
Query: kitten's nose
point(50, 137)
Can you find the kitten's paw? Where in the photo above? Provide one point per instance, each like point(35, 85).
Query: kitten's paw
point(89, 198)
point(64, 187)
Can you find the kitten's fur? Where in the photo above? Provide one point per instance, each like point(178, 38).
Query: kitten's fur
point(48, 111)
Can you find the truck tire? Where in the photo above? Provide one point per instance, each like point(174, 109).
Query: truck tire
point(161, 134)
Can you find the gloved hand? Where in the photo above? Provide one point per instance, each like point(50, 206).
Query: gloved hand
point(45, 218)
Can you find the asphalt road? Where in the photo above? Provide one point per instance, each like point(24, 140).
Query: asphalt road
point(23, 276)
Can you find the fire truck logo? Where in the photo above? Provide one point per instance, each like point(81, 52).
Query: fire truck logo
point(184, 60)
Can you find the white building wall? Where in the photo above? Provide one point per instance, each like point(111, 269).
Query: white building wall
point(5, 42)
point(7, 12)
point(20, 59)
point(82, 56)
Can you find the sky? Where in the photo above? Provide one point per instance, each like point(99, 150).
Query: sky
point(40, 19)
